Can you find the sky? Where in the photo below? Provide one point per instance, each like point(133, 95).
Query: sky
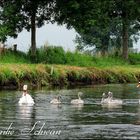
point(51, 34)
point(137, 45)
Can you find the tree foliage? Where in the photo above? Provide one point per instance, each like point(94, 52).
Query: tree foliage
point(96, 21)
point(24, 14)
point(93, 20)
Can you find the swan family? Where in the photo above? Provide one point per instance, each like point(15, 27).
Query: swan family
point(107, 98)
point(27, 99)
point(78, 101)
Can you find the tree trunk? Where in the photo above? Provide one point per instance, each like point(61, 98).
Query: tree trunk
point(103, 52)
point(105, 44)
point(33, 34)
point(125, 40)
point(125, 31)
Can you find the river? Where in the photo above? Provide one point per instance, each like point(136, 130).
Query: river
point(66, 121)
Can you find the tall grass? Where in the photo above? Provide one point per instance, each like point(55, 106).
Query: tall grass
point(14, 57)
point(134, 58)
point(56, 55)
point(78, 59)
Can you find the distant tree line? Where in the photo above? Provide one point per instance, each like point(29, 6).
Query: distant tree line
point(99, 23)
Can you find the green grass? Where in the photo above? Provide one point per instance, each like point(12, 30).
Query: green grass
point(56, 55)
point(40, 75)
point(134, 58)
point(68, 68)
point(11, 57)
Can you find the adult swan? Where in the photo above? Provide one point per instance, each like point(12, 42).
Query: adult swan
point(26, 98)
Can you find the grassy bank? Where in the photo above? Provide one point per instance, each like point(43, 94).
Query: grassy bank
point(15, 75)
point(56, 55)
point(54, 66)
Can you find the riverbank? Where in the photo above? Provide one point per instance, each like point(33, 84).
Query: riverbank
point(13, 76)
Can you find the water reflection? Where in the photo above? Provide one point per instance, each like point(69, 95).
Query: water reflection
point(78, 106)
point(25, 111)
point(111, 107)
point(56, 106)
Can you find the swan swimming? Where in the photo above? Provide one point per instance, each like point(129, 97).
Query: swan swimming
point(105, 98)
point(79, 100)
point(108, 99)
point(26, 98)
point(56, 100)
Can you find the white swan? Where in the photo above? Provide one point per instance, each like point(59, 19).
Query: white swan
point(56, 100)
point(79, 100)
point(105, 99)
point(108, 99)
point(26, 98)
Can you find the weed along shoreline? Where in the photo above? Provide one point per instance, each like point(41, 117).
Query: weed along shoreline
point(13, 76)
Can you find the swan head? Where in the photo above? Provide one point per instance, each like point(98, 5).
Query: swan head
point(25, 87)
point(138, 84)
point(104, 95)
point(110, 94)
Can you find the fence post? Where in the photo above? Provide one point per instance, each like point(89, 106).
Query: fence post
point(15, 47)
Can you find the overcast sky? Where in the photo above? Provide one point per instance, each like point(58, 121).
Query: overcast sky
point(50, 33)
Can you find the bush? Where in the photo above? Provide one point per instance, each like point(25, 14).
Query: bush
point(79, 59)
point(55, 55)
point(134, 58)
point(51, 55)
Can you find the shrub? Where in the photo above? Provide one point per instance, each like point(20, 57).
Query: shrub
point(134, 58)
point(51, 55)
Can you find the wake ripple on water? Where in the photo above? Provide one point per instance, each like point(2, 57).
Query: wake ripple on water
point(109, 131)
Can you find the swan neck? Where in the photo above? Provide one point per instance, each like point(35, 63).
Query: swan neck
point(79, 96)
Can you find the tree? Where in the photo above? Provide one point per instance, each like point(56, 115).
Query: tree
point(106, 39)
point(88, 17)
point(25, 14)
point(85, 16)
point(7, 25)
point(129, 14)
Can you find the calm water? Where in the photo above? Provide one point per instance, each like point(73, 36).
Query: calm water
point(66, 121)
